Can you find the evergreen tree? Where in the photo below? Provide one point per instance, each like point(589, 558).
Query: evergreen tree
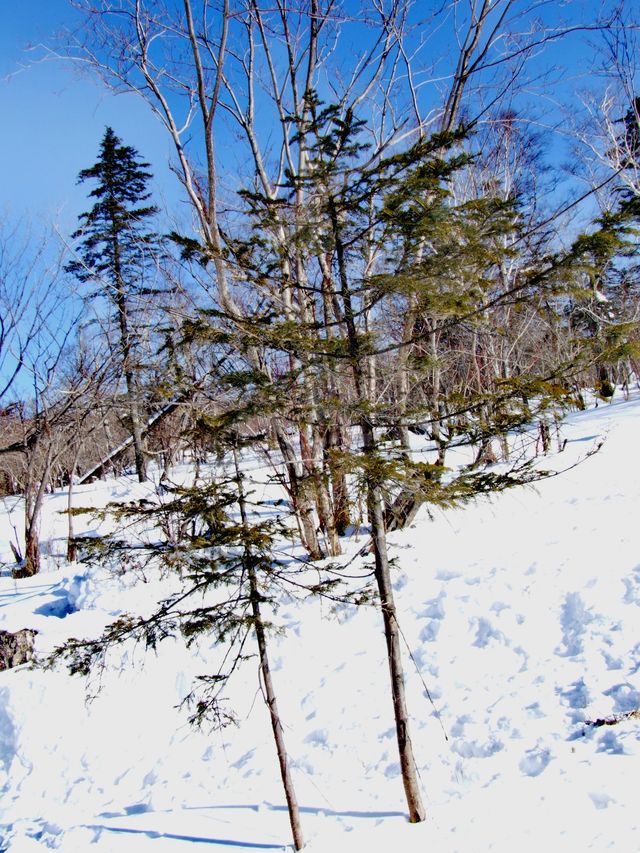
point(116, 251)
point(220, 545)
point(391, 240)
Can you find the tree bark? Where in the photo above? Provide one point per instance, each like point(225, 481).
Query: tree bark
point(302, 502)
point(34, 492)
point(265, 669)
point(376, 520)
point(408, 767)
point(334, 441)
point(31, 550)
point(72, 548)
point(276, 724)
point(132, 391)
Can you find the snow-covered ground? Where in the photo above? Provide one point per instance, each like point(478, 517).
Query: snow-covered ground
point(521, 614)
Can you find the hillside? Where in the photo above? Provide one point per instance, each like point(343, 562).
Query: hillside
point(521, 615)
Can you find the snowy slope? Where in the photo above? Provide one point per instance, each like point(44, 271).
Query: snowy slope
point(521, 615)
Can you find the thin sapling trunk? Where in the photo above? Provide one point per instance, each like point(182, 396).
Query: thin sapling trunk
point(265, 670)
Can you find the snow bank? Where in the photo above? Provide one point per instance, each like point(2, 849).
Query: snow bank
point(520, 614)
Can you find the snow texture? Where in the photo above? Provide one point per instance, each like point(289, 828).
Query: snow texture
point(521, 617)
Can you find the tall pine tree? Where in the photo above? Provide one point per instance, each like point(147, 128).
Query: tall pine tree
point(116, 251)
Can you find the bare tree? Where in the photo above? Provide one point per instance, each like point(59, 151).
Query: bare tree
point(607, 127)
point(215, 71)
point(27, 297)
point(45, 418)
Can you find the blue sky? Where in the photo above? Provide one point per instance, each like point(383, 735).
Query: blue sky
point(53, 118)
point(53, 121)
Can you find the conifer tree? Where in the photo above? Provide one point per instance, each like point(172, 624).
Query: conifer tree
point(116, 253)
point(213, 538)
point(389, 238)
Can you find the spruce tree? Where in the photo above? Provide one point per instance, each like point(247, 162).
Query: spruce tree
point(378, 239)
point(116, 252)
point(220, 545)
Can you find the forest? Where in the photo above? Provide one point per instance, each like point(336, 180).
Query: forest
point(406, 250)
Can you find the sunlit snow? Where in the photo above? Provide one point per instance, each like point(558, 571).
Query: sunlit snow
point(521, 616)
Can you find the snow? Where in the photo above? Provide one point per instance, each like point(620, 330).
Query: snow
point(520, 613)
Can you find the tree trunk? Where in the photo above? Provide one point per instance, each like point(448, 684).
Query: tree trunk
point(138, 445)
point(403, 401)
point(323, 500)
point(436, 430)
point(302, 502)
point(392, 636)
point(31, 550)
point(376, 520)
point(72, 548)
point(126, 351)
point(276, 725)
point(33, 499)
point(265, 669)
point(333, 441)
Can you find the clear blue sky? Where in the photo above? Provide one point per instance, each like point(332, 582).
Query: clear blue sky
point(53, 120)
point(52, 123)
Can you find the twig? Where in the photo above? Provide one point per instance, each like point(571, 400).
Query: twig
point(615, 719)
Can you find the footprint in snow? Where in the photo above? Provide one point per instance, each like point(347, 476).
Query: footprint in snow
point(611, 744)
point(477, 749)
point(457, 729)
point(574, 620)
point(430, 631)
point(447, 575)
point(535, 761)
point(434, 608)
point(435, 612)
point(318, 737)
point(8, 734)
point(576, 695)
point(600, 800)
point(611, 661)
point(634, 660)
point(632, 585)
point(392, 771)
point(243, 760)
point(486, 632)
point(625, 696)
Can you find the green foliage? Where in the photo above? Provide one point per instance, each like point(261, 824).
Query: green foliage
point(115, 249)
point(200, 535)
point(361, 262)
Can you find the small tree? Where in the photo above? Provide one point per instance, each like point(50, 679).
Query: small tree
point(116, 251)
point(383, 238)
point(212, 538)
point(38, 321)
